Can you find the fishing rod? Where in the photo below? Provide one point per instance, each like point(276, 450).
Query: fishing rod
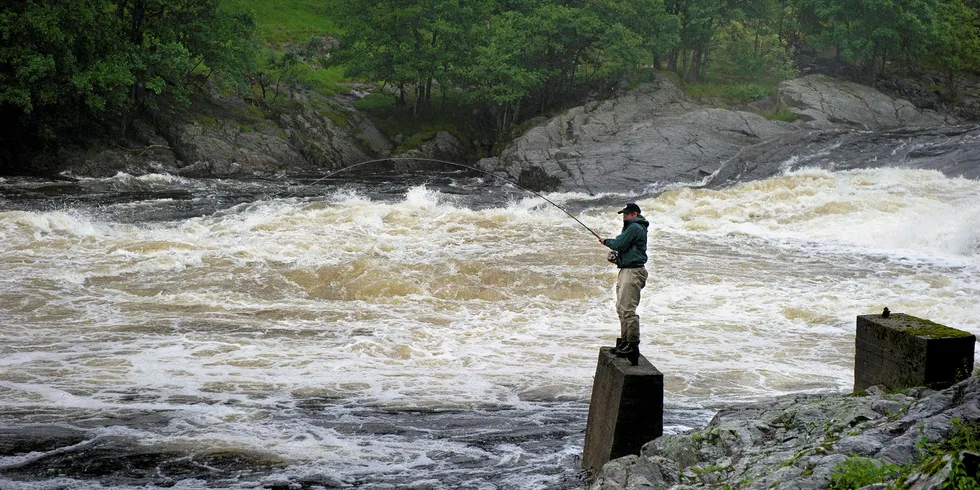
point(446, 162)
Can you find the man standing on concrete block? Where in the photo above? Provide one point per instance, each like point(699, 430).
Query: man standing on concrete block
point(630, 255)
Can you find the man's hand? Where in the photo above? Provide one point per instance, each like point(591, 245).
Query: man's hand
point(602, 240)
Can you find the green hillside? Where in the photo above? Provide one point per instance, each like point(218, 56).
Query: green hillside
point(288, 21)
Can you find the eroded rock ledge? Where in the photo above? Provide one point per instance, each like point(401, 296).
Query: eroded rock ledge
point(796, 442)
point(654, 135)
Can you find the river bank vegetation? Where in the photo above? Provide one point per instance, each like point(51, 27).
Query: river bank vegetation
point(78, 70)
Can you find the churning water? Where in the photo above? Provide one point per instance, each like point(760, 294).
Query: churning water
point(382, 334)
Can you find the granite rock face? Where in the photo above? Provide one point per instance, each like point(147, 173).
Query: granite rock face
point(828, 103)
point(227, 137)
point(948, 149)
point(652, 136)
point(795, 442)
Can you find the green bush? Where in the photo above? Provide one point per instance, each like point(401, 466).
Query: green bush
point(782, 113)
point(856, 472)
point(746, 92)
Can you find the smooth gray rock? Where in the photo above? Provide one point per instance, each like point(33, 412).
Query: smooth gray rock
point(442, 146)
point(227, 137)
point(826, 103)
point(680, 448)
point(650, 135)
point(860, 445)
point(940, 149)
point(653, 136)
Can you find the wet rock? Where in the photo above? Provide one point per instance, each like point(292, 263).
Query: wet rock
point(939, 149)
point(146, 151)
point(125, 461)
point(442, 146)
point(227, 137)
point(826, 103)
point(651, 134)
point(796, 442)
point(22, 440)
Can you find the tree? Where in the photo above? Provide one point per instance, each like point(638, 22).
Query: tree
point(871, 32)
point(957, 44)
point(78, 68)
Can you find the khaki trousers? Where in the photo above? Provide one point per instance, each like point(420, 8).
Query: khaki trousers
point(628, 287)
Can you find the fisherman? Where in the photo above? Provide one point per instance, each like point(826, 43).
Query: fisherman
point(630, 254)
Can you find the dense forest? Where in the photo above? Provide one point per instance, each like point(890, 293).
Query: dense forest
point(74, 70)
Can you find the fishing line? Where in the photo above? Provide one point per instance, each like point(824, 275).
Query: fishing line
point(501, 177)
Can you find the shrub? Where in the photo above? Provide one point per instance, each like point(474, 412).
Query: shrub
point(781, 113)
point(856, 472)
point(745, 93)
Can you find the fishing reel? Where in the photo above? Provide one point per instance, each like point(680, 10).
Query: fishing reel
point(613, 257)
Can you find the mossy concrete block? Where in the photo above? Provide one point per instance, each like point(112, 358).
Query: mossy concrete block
point(903, 351)
point(626, 411)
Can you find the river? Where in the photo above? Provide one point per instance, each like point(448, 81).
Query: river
point(427, 329)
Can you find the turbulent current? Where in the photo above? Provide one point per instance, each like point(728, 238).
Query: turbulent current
point(400, 331)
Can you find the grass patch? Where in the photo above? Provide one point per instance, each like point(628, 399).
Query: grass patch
point(743, 93)
point(856, 472)
point(782, 113)
point(325, 80)
point(376, 101)
point(288, 21)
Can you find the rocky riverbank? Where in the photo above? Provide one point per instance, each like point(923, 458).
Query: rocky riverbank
point(228, 137)
point(797, 442)
point(656, 136)
point(649, 136)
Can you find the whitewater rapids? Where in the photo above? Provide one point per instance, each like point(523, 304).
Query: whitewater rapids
point(252, 325)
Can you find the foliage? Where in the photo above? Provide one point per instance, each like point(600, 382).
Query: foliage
point(748, 92)
point(75, 67)
point(856, 472)
point(781, 113)
point(279, 71)
point(512, 59)
point(956, 48)
point(288, 21)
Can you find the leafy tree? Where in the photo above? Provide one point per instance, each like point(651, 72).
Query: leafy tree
point(277, 72)
point(957, 45)
point(77, 68)
point(700, 22)
point(870, 32)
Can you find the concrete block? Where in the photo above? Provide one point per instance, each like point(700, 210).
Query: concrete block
point(903, 351)
point(626, 411)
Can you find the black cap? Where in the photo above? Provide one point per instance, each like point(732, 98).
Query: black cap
point(630, 208)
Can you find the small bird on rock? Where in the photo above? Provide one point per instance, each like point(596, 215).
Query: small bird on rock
point(885, 313)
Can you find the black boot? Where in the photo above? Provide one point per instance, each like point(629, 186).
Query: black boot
point(619, 344)
point(630, 351)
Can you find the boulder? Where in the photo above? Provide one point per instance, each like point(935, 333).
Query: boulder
point(653, 136)
point(649, 135)
point(223, 136)
point(826, 103)
point(940, 149)
point(442, 146)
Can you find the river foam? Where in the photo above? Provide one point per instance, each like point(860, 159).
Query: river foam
point(235, 321)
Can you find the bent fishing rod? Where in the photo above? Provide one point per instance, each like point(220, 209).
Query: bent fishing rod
point(446, 162)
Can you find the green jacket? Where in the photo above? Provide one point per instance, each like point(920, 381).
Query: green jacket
point(631, 243)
